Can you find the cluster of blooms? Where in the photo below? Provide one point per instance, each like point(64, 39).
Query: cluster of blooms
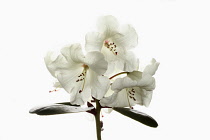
point(96, 73)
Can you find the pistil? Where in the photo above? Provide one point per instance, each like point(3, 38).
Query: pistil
point(118, 74)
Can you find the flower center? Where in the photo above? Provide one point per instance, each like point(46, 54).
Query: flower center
point(111, 46)
point(81, 77)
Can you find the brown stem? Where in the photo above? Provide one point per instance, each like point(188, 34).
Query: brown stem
point(97, 119)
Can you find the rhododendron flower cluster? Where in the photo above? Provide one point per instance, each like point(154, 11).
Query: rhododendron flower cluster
point(106, 76)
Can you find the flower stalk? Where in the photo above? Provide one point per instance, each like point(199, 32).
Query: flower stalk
point(97, 120)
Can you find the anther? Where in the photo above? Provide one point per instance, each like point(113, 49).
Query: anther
point(80, 91)
point(53, 90)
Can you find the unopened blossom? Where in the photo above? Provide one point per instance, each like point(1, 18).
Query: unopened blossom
point(79, 74)
point(136, 88)
point(115, 42)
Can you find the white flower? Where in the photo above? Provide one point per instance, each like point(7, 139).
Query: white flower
point(80, 75)
point(136, 88)
point(114, 42)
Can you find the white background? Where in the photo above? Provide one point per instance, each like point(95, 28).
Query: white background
point(176, 33)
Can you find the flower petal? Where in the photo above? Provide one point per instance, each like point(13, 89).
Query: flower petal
point(69, 80)
point(147, 97)
point(59, 63)
point(80, 98)
point(124, 99)
point(49, 58)
point(122, 83)
point(111, 69)
point(53, 63)
point(99, 84)
point(126, 38)
point(73, 53)
point(146, 82)
point(108, 25)
point(94, 41)
point(57, 84)
point(119, 99)
point(130, 62)
point(151, 68)
point(96, 62)
point(142, 96)
point(135, 75)
point(124, 60)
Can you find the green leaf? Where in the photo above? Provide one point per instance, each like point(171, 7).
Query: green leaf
point(138, 116)
point(58, 108)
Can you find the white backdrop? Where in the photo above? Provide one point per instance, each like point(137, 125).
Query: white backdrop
point(175, 32)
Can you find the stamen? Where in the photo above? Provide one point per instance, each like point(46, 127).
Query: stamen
point(111, 46)
point(53, 90)
point(82, 77)
point(130, 93)
point(83, 84)
point(128, 100)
